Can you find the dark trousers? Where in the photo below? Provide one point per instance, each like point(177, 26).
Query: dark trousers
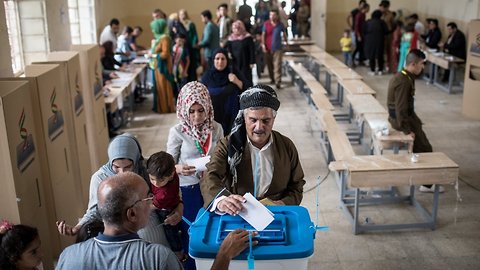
point(359, 49)
point(421, 144)
point(372, 61)
point(172, 233)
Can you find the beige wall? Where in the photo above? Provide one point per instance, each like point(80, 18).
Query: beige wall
point(5, 62)
point(58, 25)
point(138, 12)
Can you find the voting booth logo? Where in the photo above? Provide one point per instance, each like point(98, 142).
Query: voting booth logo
point(78, 99)
point(97, 86)
point(26, 148)
point(55, 121)
point(475, 48)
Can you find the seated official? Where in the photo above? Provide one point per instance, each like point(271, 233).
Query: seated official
point(253, 158)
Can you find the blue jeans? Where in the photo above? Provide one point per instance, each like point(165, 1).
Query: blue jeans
point(347, 58)
point(192, 202)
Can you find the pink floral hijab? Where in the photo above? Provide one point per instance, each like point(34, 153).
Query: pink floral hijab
point(242, 32)
point(191, 93)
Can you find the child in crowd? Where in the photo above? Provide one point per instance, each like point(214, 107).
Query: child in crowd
point(165, 186)
point(181, 60)
point(19, 247)
point(346, 44)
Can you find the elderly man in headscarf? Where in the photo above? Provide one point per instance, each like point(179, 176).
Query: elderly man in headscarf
point(253, 158)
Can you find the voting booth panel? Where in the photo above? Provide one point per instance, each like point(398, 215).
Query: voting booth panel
point(471, 90)
point(287, 243)
point(50, 108)
point(22, 196)
point(70, 63)
point(97, 128)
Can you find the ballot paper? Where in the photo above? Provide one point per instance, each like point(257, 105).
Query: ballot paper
point(199, 163)
point(255, 213)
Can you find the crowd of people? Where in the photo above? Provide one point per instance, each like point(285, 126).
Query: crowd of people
point(388, 36)
point(134, 200)
point(177, 50)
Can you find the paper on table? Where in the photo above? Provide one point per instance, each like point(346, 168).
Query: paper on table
point(255, 213)
point(199, 163)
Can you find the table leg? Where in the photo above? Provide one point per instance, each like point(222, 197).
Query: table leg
point(432, 72)
point(328, 78)
point(355, 211)
point(350, 113)
point(435, 206)
point(451, 78)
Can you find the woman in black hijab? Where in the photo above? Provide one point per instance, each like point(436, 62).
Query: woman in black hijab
point(224, 84)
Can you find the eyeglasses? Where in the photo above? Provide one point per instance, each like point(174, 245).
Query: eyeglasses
point(149, 198)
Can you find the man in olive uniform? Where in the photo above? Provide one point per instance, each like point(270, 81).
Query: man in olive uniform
point(400, 103)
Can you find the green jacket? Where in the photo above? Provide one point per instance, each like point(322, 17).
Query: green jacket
point(210, 40)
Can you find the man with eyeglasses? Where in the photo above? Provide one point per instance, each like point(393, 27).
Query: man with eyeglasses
point(124, 202)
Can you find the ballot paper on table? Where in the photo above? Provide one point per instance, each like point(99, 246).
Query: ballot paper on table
point(200, 164)
point(255, 213)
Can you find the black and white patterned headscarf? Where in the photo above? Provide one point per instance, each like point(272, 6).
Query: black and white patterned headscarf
point(259, 95)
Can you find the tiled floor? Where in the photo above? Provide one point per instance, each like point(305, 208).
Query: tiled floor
point(455, 244)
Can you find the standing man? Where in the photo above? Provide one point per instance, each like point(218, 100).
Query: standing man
point(124, 203)
point(272, 33)
point(110, 33)
point(389, 19)
point(351, 20)
point(224, 23)
point(211, 37)
point(400, 104)
point(244, 14)
point(359, 22)
point(254, 158)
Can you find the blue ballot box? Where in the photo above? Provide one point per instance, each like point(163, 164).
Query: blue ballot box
point(287, 243)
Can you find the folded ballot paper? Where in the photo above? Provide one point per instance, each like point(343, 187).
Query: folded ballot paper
point(255, 213)
point(200, 164)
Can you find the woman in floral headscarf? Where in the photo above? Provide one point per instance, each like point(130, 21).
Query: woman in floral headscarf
point(195, 136)
point(161, 64)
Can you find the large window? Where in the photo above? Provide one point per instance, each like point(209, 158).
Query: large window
point(27, 32)
point(82, 21)
point(14, 38)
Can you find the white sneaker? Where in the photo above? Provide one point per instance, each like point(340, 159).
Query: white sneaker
point(371, 73)
point(379, 73)
point(431, 189)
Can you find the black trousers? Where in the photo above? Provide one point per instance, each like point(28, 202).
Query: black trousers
point(171, 232)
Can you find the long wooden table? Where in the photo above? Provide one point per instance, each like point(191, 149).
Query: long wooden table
point(311, 48)
point(353, 87)
point(362, 104)
point(122, 89)
point(446, 62)
point(379, 141)
point(366, 172)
